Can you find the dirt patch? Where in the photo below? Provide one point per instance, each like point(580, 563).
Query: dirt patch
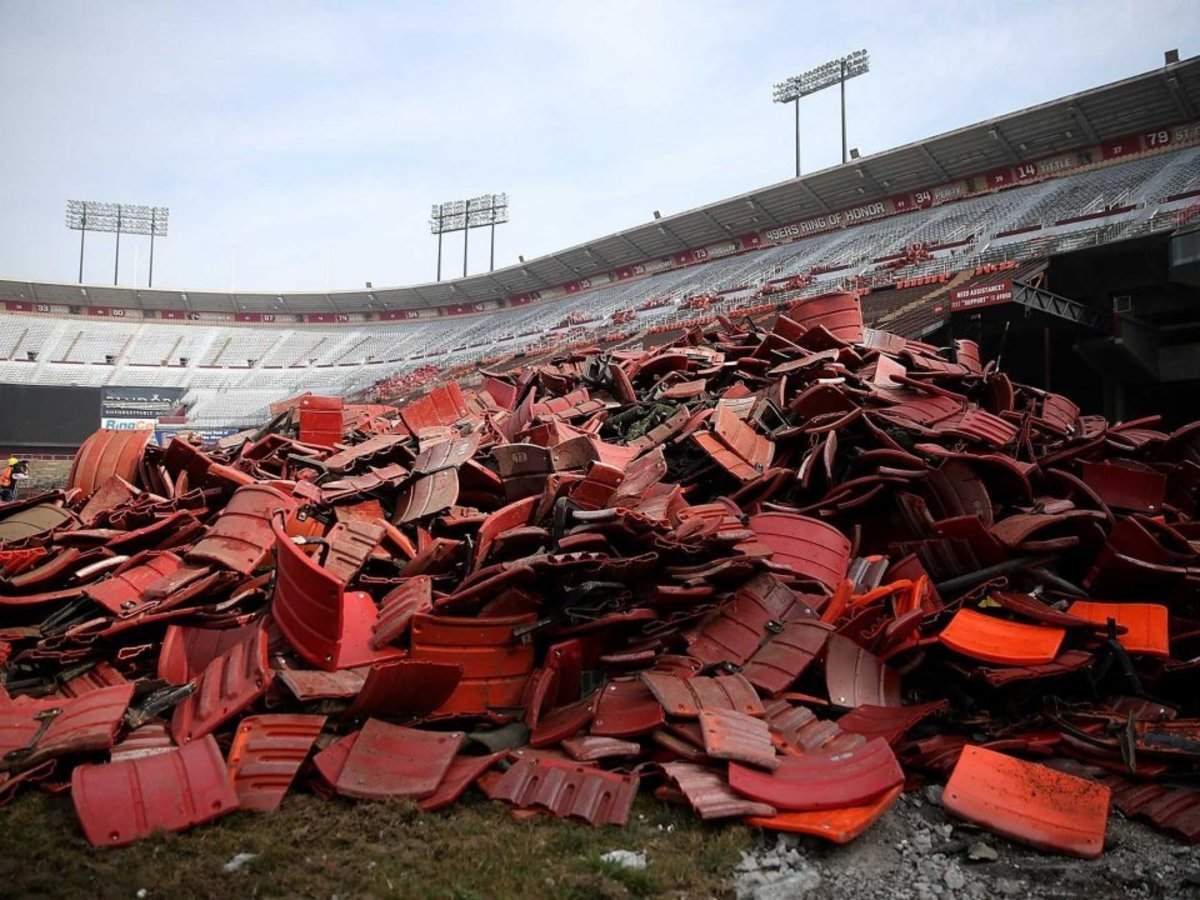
point(46, 475)
point(916, 852)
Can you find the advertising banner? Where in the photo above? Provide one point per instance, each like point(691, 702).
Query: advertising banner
point(139, 408)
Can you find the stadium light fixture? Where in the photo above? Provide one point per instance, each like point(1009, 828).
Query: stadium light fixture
point(836, 71)
point(122, 218)
point(462, 215)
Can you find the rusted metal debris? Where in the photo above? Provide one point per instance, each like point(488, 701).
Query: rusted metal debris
point(774, 572)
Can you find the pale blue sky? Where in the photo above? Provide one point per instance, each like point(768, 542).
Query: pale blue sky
point(300, 145)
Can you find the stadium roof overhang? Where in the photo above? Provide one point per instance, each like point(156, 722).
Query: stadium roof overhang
point(1161, 97)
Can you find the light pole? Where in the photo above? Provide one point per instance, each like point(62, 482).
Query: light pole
point(117, 255)
point(836, 71)
point(463, 215)
point(466, 237)
point(119, 218)
point(83, 226)
point(154, 211)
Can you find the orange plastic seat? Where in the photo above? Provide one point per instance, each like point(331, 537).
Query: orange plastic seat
point(1028, 802)
point(1145, 624)
point(840, 825)
point(996, 640)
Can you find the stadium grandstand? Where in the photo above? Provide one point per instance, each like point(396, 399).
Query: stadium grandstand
point(1062, 236)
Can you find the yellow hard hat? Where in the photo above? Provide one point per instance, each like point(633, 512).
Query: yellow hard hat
point(12, 460)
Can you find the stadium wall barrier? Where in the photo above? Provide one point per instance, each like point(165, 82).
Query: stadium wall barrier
point(47, 417)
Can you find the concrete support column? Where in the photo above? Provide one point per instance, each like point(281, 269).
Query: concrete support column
point(1114, 400)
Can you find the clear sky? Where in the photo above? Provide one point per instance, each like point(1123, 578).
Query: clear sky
point(299, 145)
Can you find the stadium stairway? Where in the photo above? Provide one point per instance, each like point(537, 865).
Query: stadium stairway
point(1013, 213)
point(337, 350)
point(49, 348)
point(206, 345)
point(908, 319)
point(1167, 180)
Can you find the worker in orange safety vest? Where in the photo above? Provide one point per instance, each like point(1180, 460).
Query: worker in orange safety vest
point(15, 470)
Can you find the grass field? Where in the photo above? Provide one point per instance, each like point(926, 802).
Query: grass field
point(319, 848)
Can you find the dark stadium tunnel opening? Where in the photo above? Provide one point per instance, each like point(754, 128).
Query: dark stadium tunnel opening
point(1144, 360)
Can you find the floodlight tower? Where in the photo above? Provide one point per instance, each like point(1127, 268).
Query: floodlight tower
point(463, 215)
point(88, 215)
point(836, 71)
